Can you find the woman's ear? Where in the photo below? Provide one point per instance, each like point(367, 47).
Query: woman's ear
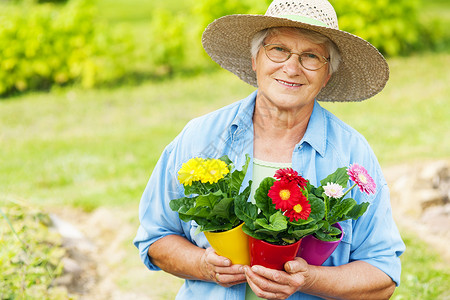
point(326, 80)
point(253, 64)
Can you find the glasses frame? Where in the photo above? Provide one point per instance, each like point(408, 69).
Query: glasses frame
point(327, 60)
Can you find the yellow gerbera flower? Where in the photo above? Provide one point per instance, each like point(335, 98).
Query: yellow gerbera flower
point(215, 169)
point(190, 171)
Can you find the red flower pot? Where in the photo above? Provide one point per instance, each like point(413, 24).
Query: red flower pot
point(270, 255)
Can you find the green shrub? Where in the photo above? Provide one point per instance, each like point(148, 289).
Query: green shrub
point(45, 45)
point(30, 255)
point(169, 41)
point(394, 27)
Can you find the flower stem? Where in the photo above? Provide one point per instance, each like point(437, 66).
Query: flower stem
point(346, 192)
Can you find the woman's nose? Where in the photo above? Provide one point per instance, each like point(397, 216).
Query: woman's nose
point(292, 66)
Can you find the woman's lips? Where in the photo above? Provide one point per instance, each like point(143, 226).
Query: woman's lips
point(287, 83)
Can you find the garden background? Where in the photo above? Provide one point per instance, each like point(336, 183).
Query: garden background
point(92, 91)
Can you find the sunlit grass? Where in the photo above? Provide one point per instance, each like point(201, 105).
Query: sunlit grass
point(410, 118)
point(425, 275)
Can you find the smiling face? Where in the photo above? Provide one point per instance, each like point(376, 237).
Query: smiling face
point(288, 85)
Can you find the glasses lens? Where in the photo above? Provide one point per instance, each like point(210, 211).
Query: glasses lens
point(277, 53)
point(311, 61)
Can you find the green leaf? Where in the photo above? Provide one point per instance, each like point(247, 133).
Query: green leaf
point(226, 159)
point(325, 237)
point(357, 211)
point(300, 233)
point(181, 204)
point(277, 222)
point(216, 226)
point(246, 211)
point(195, 188)
point(338, 212)
point(262, 199)
point(198, 214)
point(222, 209)
point(237, 177)
point(208, 200)
point(317, 207)
point(339, 176)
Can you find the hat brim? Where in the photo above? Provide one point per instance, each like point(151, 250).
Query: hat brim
point(362, 73)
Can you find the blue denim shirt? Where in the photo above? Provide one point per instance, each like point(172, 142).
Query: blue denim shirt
point(327, 144)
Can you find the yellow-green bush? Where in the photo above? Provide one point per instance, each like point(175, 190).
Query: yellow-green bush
point(394, 27)
point(45, 45)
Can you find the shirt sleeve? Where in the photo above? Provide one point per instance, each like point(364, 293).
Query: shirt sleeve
point(376, 239)
point(157, 220)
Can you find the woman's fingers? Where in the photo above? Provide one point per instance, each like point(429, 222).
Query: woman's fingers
point(220, 270)
point(272, 284)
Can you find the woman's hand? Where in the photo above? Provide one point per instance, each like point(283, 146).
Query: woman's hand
point(273, 284)
point(220, 270)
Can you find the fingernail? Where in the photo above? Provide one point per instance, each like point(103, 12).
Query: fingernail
point(288, 267)
point(255, 269)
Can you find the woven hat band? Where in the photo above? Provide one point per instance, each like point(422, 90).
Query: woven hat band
point(304, 19)
point(318, 10)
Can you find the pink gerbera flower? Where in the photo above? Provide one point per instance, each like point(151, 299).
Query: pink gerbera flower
point(359, 175)
point(290, 175)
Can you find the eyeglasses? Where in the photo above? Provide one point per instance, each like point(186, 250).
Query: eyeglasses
point(310, 61)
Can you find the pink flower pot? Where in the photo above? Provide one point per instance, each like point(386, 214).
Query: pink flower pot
point(271, 256)
point(315, 251)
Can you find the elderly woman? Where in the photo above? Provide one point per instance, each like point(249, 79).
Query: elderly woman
point(296, 55)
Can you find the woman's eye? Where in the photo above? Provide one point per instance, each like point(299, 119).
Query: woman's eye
point(311, 56)
point(281, 49)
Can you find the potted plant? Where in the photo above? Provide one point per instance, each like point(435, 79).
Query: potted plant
point(211, 188)
point(318, 246)
point(281, 216)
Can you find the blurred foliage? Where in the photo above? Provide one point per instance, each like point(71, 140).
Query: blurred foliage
point(45, 45)
point(394, 27)
point(70, 43)
point(36, 1)
point(30, 255)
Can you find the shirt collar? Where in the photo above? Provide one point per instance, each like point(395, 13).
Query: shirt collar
point(316, 131)
point(244, 116)
point(315, 134)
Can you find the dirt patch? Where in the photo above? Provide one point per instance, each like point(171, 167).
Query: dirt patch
point(102, 263)
point(420, 195)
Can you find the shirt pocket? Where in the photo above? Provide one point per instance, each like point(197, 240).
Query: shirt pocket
point(341, 254)
point(347, 228)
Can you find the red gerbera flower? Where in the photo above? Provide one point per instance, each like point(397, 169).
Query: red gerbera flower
point(301, 210)
point(285, 194)
point(289, 174)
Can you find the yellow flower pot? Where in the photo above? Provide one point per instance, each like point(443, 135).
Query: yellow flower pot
point(232, 244)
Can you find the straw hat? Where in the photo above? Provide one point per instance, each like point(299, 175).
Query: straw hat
point(362, 73)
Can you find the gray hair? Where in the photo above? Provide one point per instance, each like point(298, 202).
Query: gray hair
point(314, 37)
